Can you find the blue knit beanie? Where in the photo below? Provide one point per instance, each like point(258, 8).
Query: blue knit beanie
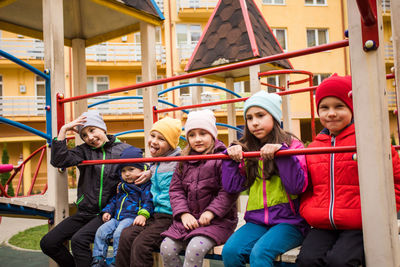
point(269, 101)
point(132, 152)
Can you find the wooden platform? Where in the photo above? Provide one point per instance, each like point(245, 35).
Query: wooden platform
point(36, 206)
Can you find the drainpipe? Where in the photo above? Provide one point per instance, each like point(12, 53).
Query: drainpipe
point(171, 50)
point(346, 68)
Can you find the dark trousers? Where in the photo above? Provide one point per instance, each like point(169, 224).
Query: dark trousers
point(137, 243)
point(80, 228)
point(334, 248)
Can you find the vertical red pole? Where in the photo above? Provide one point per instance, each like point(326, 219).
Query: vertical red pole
point(155, 116)
point(60, 112)
point(312, 109)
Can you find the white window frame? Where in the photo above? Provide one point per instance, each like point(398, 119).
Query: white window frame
point(273, 2)
point(41, 81)
point(319, 77)
point(96, 82)
point(316, 31)
point(274, 80)
point(188, 46)
point(285, 49)
point(314, 3)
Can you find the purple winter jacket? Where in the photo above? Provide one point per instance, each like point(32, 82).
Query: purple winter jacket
point(199, 188)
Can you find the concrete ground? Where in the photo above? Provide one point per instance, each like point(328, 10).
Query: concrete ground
point(15, 257)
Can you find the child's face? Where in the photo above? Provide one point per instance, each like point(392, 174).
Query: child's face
point(200, 140)
point(334, 114)
point(158, 145)
point(93, 136)
point(130, 174)
point(259, 122)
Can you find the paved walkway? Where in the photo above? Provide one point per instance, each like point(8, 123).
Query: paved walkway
point(11, 257)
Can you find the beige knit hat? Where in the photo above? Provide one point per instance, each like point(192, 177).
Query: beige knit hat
point(170, 128)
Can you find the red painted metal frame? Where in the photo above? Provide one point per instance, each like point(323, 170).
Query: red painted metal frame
point(253, 154)
point(60, 112)
point(286, 55)
point(369, 23)
point(20, 169)
point(309, 79)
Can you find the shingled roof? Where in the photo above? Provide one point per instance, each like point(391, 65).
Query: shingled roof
point(235, 32)
point(148, 6)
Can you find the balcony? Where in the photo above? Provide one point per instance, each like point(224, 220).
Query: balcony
point(28, 49)
point(386, 6)
point(11, 106)
point(160, 4)
point(389, 53)
point(127, 52)
point(185, 50)
point(195, 4)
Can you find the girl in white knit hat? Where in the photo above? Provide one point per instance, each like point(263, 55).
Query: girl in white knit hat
point(204, 214)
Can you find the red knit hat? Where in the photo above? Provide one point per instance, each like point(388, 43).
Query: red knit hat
point(337, 86)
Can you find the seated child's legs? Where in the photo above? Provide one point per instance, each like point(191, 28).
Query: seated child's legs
point(237, 249)
point(348, 249)
point(169, 250)
point(117, 233)
point(103, 234)
point(126, 239)
point(277, 240)
point(197, 248)
point(315, 246)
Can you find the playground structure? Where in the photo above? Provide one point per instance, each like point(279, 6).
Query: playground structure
point(381, 242)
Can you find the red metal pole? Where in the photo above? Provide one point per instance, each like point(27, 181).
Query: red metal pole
point(366, 12)
point(155, 114)
point(297, 53)
point(36, 172)
point(60, 112)
point(288, 152)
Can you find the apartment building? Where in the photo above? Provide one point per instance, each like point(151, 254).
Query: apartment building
point(296, 24)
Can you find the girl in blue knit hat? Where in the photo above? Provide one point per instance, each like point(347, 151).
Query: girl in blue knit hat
point(273, 224)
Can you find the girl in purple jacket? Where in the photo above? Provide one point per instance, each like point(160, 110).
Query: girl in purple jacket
point(204, 214)
point(273, 223)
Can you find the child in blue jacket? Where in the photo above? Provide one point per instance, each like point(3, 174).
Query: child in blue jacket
point(132, 205)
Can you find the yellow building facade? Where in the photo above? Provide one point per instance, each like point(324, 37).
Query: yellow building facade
point(296, 24)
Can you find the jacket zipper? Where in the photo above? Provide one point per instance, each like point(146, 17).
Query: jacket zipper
point(266, 214)
point(101, 178)
point(122, 202)
point(332, 184)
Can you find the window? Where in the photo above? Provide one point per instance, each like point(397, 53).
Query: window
point(273, 80)
point(242, 87)
point(273, 2)
point(317, 37)
point(315, 2)
point(97, 83)
point(40, 86)
point(280, 35)
point(318, 78)
point(187, 36)
point(139, 79)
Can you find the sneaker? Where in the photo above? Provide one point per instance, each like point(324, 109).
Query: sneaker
point(112, 264)
point(98, 262)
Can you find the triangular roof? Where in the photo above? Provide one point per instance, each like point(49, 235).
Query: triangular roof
point(236, 31)
point(94, 21)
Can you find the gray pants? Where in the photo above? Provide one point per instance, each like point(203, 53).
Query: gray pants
point(196, 249)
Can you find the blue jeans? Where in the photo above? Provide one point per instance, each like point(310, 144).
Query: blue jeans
point(259, 243)
point(110, 229)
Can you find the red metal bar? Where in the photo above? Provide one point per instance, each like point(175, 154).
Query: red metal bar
point(155, 116)
point(278, 72)
point(273, 86)
point(390, 76)
point(229, 101)
point(253, 154)
point(297, 53)
point(36, 172)
point(60, 112)
point(366, 12)
point(21, 177)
